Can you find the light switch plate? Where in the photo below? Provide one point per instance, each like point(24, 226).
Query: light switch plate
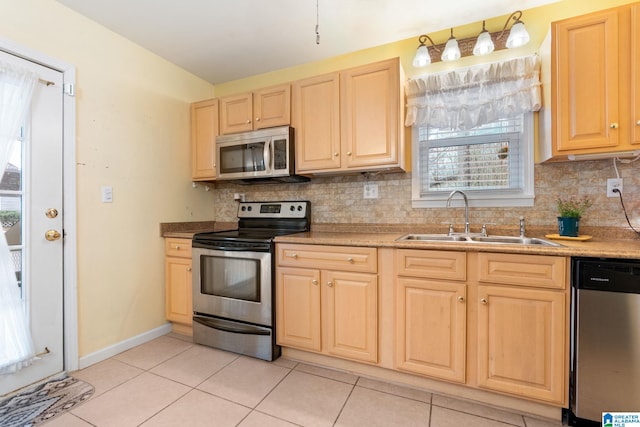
point(107, 194)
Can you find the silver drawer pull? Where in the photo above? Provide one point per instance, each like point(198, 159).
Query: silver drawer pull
point(350, 260)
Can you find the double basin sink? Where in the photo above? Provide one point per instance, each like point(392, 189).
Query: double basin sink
point(464, 238)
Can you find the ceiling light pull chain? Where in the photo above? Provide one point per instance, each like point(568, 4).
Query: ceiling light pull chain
point(317, 22)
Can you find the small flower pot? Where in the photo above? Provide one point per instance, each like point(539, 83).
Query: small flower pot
point(568, 226)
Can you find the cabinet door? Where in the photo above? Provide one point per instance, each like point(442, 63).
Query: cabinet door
point(350, 318)
point(236, 113)
point(272, 107)
point(635, 74)
point(521, 342)
point(585, 83)
point(316, 119)
point(431, 328)
point(370, 114)
point(178, 293)
point(204, 129)
point(298, 308)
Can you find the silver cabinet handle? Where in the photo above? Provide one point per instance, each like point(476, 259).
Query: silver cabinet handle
point(483, 301)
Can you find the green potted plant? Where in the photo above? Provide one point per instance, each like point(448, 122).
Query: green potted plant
point(570, 210)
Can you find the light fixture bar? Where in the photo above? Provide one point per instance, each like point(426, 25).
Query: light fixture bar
point(514, 37)
point(466, 45)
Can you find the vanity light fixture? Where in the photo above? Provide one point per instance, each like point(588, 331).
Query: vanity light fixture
point(484, 44)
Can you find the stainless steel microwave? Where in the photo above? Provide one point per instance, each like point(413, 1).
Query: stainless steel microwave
point(257, 156)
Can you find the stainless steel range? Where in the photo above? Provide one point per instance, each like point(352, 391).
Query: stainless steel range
point(233, 278)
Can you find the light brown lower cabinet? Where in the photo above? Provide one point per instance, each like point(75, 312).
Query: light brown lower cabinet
point(492, 321)
point(431, 313)
point(523, 325)
point(178, 288)
point(332, 311)
point(513, 332)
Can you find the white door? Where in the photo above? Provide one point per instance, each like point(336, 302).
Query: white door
point(32, 186)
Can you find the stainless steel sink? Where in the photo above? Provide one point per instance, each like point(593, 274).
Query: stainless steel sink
point(461, 238)
point(511, 240)
point(433, 238)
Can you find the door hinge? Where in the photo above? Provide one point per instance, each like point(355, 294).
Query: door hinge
point(69, 89)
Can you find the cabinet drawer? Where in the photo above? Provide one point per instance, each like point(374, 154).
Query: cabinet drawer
point(344, 258)
point(177, 247)
point(526, 270)
point(432, 264)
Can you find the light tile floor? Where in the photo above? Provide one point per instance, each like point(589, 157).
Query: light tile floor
point(172, 382)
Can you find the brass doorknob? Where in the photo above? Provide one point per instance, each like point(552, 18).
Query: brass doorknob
point(51, 213)
point(52, 235)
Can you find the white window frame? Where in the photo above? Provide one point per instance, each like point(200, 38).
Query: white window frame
point(523, 197)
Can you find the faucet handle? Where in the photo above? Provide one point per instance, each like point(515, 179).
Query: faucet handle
point(451, 230)
point(484, 228)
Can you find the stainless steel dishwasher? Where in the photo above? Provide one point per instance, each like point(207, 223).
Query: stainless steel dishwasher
point(605, 339)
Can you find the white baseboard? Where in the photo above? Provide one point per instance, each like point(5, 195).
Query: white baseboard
point(127, 344)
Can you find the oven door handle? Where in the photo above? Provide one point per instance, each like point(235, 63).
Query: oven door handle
point(227, 327)
point(241, 248)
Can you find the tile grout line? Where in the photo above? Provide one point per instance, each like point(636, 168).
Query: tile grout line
point(353, 387)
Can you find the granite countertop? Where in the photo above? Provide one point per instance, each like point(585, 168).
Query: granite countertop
point(186, 229)
point(595, 247)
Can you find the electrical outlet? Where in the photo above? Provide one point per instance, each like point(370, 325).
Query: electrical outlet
point(614, 184)
point(370, 191)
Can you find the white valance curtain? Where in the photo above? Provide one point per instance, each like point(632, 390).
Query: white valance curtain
point(16, 347)
point(466, 98)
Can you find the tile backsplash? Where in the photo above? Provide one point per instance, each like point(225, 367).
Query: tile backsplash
point(339, 199)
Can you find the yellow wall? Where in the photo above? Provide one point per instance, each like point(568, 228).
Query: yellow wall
point(133, 134)
point(537, 21)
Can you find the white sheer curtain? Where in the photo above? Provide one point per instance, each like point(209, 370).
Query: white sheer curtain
point(466, 98)
point(16, 347)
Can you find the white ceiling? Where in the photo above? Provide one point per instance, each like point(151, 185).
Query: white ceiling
point(224, 40)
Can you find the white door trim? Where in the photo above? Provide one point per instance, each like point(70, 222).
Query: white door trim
point(70, 296)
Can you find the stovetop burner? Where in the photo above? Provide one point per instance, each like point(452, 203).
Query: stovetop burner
point(262, 222)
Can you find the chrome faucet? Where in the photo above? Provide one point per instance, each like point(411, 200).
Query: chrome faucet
point(466, 208)
point(521, 226)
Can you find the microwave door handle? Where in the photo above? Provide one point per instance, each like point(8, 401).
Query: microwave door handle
point(267, 156)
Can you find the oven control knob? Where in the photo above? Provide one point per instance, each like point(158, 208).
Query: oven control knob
point(299, 208)
point(244, 208)
point(292, 208)
point(249, 208)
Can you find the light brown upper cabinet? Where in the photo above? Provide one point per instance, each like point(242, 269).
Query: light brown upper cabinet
point(350, 121)
point(260, 109)
point(595, 61)
point(204, 129)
